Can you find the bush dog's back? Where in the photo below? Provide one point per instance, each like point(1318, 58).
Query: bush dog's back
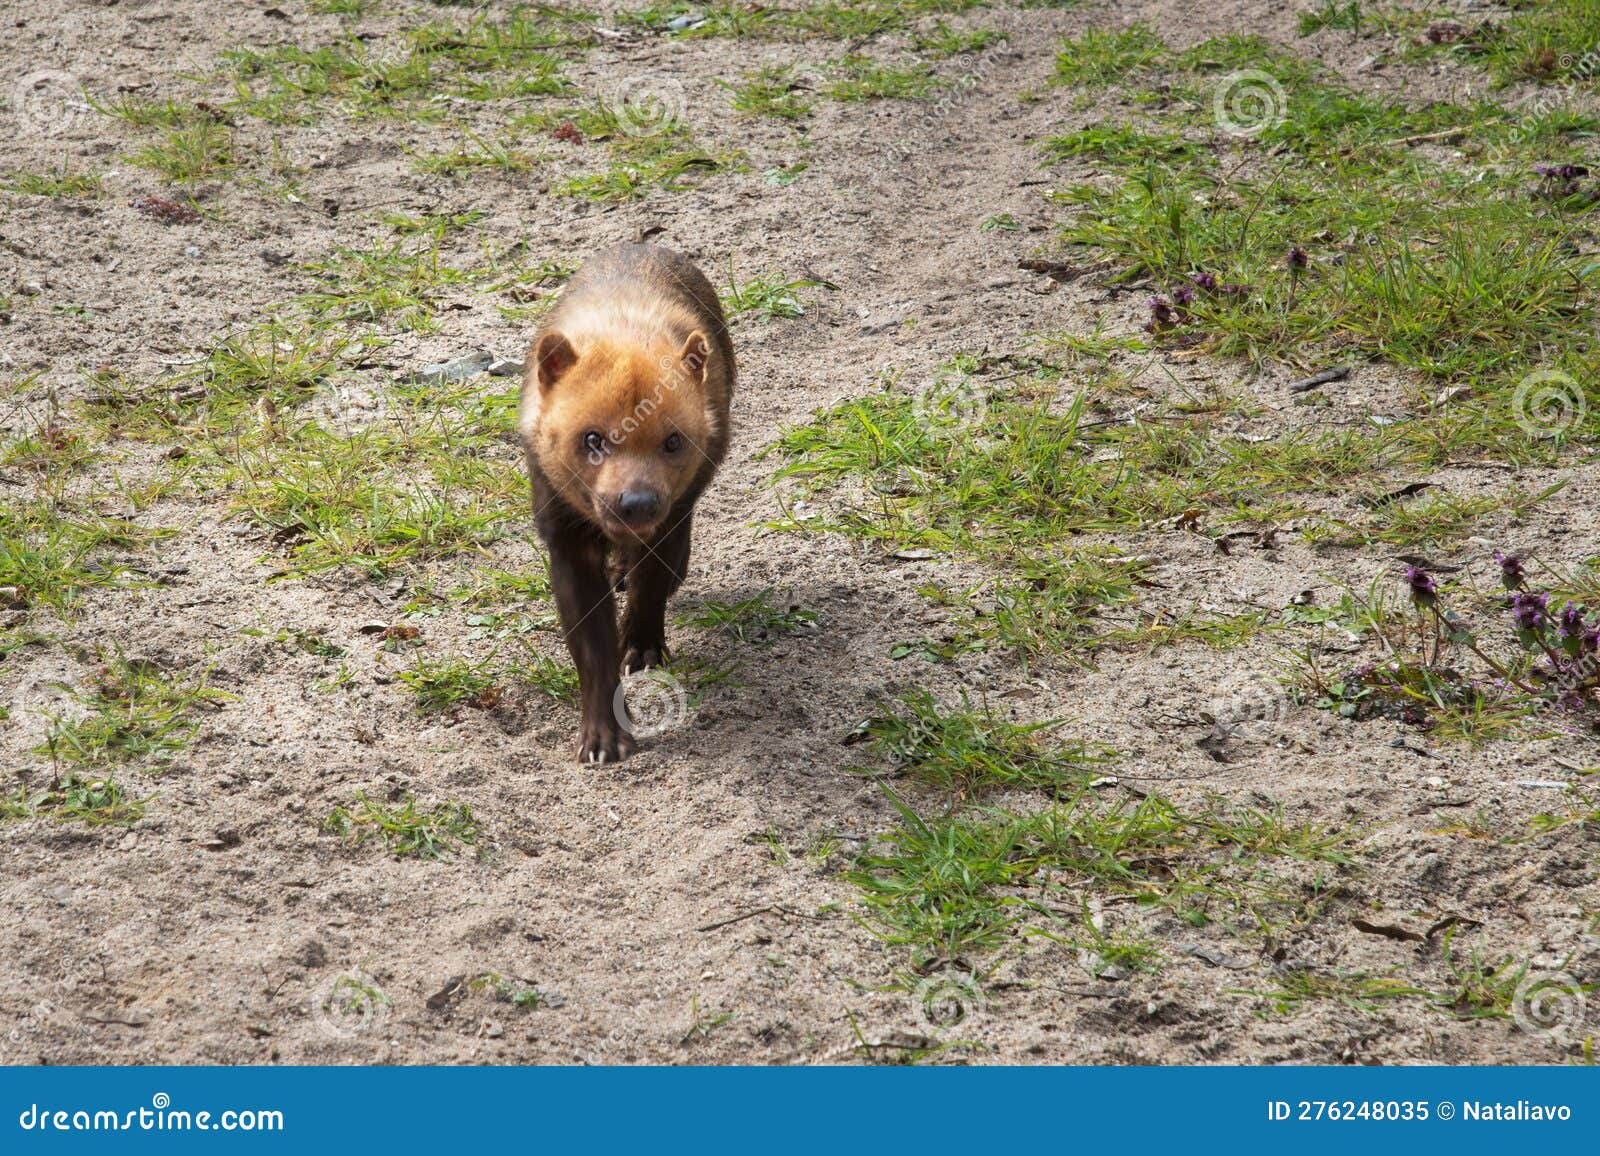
point(624, 420)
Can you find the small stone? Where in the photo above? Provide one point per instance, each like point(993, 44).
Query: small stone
point(456, 369)
point(493, 1029)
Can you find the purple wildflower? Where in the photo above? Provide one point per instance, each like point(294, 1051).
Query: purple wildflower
point(1161, 312)
point(1424, 591)
point(1577, 636)
point(1531, 611)
point(1571, 623)
point(1297, 258)
point(1204, 281)
point(1512, 576)
point(1183, 294)
point(1561, 172)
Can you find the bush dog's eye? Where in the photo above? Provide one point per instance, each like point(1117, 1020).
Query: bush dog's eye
point(594, 442)
point(673, 444)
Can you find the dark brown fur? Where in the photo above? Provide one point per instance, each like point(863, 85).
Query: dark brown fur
point(637, 353)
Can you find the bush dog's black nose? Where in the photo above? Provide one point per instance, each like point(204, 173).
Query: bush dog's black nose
point(638, 505)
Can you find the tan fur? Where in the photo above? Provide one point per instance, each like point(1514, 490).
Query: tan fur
point(652, 359)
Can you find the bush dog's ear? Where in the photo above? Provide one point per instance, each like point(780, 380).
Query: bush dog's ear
point(694, 355)
point(554, 355)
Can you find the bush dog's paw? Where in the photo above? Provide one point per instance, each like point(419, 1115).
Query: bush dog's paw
point(642, 656)
point(604, 742)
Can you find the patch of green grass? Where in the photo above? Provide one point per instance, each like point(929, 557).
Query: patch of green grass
point(50, 558)
point(1115, 143)
point(768, 294)
point(451, 683)
point(63, 182)
point(1437, 518)
point(1477, 988)
point(399, 283)
point(953, 886)
point(519, 39)
point(144, 112)
point(942, 42)
point(771, 91)
point(365, 477)
point(1002, 469)
point(492, 589)
point(1054, 608)
point(184, 155)
point(721, 18)
point(631, 179)
point(435, 225)
point(1452, 270)
point(374, 499)
point(413, 74)
point(702, 1023)
point(955, 469)
point(1109, 951)
point(444, 829)
point(283, 361)
point(1552, 42)
point(861, 78)
point(483, 153)
point(1331, 14)
point(751, 619)
point(852, 20)
point(356, 995)
point(133, 711)
point(645, 153)
point(966, 752)
point(554, 677)
point(1357, 990)
point(517, 993)
point(288, 84)
point(1099, 57)
point(51, 452)
point(93, 799)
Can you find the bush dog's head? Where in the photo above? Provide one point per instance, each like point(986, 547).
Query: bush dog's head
point(623, 428)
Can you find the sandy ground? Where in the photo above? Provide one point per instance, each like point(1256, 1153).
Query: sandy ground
point(213, 929)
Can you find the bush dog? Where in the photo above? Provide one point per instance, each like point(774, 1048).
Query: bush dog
point(624, 419)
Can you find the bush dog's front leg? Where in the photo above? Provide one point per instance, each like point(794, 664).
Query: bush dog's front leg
point(654, 579)
point(589, 623)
